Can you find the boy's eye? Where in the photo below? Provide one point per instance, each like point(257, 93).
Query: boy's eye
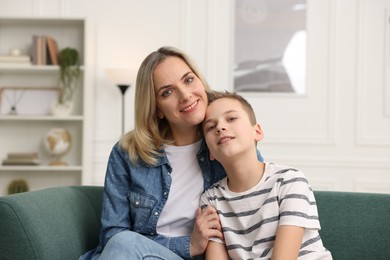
point(209, 127)
point(231, 119)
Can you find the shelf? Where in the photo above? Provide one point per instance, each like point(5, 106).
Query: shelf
point(27, 130)
point(40, 118)
point(30, 68)
point(40, 168)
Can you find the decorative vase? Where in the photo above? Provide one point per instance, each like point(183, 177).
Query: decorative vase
point(62, 109)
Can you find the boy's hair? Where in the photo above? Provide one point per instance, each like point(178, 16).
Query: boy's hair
point(214, 95)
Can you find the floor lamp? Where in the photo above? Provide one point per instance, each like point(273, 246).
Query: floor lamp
point(123, 89)
point(122, 78)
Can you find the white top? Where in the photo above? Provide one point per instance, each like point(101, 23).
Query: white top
point(178, 215)
point(250, 219)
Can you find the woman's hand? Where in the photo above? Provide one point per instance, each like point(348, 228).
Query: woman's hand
point(206, 225)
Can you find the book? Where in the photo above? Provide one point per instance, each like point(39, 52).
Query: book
point(44, 50)
point(52, 51)
point(34, 50)
point(21, 162)
point(32, 155)
point(17, 59)
point(38, 51)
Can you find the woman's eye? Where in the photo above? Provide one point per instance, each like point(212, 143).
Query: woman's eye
point(189, 79)
point(166, 93)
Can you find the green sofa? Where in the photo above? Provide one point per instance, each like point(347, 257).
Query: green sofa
point(63, 223)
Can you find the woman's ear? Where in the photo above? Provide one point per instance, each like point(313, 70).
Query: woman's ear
point(160, 114)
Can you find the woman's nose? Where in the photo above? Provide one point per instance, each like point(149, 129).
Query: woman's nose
point(185, 93)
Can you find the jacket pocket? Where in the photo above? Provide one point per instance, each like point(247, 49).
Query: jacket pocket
point(141, 206)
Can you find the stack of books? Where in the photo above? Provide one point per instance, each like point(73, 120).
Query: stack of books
point(14, 59)
point(21, 159)
point(44, 50)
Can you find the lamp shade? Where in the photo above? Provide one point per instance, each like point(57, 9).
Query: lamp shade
point(121, 76)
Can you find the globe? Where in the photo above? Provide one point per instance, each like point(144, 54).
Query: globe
point(57, 142)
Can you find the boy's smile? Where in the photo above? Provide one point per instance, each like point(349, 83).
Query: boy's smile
point(224, 139)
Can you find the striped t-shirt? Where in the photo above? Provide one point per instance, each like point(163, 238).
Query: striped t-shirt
point(250, 219)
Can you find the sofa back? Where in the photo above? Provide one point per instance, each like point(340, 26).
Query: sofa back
point(355, 225)
point(64, 223)
point(54, 223)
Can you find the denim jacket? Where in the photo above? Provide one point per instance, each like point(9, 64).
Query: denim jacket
point(135, 194)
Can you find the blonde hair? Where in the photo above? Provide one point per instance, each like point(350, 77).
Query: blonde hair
point(150, 132)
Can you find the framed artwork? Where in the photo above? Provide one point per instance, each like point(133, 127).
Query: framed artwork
point(27, 100)
point(270, 46)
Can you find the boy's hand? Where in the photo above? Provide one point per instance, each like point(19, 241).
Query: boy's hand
point(206, 225)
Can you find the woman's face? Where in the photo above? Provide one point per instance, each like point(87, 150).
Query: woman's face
point(180, 95)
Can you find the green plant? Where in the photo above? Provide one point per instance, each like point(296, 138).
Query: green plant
point(17, 186)
point(69, 61)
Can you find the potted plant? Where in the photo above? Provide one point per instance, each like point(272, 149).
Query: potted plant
point(69, 61)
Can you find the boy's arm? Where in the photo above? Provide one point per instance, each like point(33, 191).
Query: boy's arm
point(216, 251)
point(288, 242)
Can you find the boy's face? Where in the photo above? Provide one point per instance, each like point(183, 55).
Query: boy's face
point(228, 130)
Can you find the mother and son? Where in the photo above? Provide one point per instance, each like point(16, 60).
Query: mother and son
point(188, 182)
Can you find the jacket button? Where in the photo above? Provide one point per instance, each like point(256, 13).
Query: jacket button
point(165, 193)
point(201, 159)
point(156, 213)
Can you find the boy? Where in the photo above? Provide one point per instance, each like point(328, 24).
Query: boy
point(266, 210)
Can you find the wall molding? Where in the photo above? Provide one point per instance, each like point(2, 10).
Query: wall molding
point(38, 7)
point(368, 185)
point(327, 79)
point(185, 17)
point(64, 8)
point(332, 163)
point(362, 137)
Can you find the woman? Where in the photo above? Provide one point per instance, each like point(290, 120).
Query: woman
point(157, 172)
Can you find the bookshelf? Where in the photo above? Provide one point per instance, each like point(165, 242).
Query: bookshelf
point(25, 131)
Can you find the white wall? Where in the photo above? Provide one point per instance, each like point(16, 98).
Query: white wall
point(337, 133)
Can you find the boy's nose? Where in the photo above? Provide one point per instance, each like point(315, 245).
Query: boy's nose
point(220, 129)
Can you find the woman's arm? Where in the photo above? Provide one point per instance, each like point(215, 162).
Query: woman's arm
point(288, 242)
point(115, 209)
point(216, 251)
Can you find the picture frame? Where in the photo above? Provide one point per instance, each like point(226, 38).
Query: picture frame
point(270, 46)
point(27, 100)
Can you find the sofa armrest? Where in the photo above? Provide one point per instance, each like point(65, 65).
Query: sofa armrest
point(54, 223)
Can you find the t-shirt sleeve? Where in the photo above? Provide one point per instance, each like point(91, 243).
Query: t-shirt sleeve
point(297, 202)
point(204, 200)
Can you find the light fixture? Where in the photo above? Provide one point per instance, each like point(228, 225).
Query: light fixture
point(122, 78)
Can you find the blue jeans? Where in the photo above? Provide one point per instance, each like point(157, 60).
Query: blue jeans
point(131, 245)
